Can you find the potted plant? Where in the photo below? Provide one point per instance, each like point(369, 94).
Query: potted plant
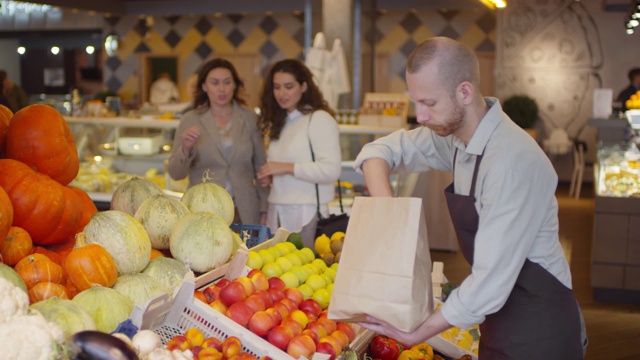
point(523, 110)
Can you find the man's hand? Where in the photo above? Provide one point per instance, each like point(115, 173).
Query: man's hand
point(434, 325)
point(376, 175)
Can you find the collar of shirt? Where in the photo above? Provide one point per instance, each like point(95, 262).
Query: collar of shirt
point(486, 127)
point(293, 115)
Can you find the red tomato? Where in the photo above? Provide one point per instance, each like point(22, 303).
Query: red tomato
point(385, 348)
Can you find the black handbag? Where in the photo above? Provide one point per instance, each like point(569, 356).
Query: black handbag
point(335, 222)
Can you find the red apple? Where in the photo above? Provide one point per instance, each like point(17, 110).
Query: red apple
point(294, 294)
point(312, 335)
point(311, 306)
point(261, 322)
point(347, 329)
point(240, 313)
point(311, 316)
point(328, 324)
point(275, 294)
point(233, 293)
point(292, 324)
point(253, 272)
point(265, 297)
point(317, 328)
point(276, 282)
point(209, 354)
point(246, 282)
point(333, 341)
point(301, 345)
point(223, 282)
point(231, 346)
point(212, 342)
point(259, 280)
point(282, 309)
point(280, 336)
point(219, 306)
point(324, 313)
point(212, 292)
point(341, 336)
point(326, 348)
point(277, 318)
point(178, 342)
point(290, 304)
point(196, 350)
point(255, 302)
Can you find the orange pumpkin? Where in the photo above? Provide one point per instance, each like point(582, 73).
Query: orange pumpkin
point(41, 271)
point(5, 117)
point(48, 211)
point(6, 214)
point(45, 290)
point(62, 249)
point(90, 265)
point(156, 253)
point(40, 137)
point(72, 291)
point(29, 259)
point(16, 245)
point(52, 255)
point(88, 207)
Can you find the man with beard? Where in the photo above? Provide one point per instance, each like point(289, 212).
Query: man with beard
point(503, 207)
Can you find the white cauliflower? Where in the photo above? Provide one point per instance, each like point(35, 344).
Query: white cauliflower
point(13, 301)
point(25, 336)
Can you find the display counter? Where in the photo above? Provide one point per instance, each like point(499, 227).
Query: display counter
point(615, 270)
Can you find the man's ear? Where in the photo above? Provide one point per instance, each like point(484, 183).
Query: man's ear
point(464, 93)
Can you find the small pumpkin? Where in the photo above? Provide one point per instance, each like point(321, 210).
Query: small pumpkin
point(29, 259)
point(48, 211)
point(6, 213)
point(129, 195)
point(46, 290)
point(90, 265)
point(5, 117)
point(40, 137)
point(52, 255)
point(41, 271)
point(88, 207)
point(16, 245)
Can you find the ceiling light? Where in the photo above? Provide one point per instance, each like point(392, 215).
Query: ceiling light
point(629, 31)
point(21, 50)
point(55, 50)
point(90, 49)
point(492, 4)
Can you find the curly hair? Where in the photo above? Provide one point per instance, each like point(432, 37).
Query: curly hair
point(201, 98)
point(272, 116)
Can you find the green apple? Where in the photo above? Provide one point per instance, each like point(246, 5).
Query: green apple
point(306, 290)
point(300, 272)
point(254, 260)
point(306, 255)
point(311, 269)
point(266, 256)
point(331, 272)
point(320, 264)
point(284, 264)
point(316, 282)
point(271, 269)
point(282, 248)
point(294, 258)
point(327, 279)
point(290, 279)
point(322, 296)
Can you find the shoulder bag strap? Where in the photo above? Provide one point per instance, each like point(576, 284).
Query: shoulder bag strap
point(313, 158)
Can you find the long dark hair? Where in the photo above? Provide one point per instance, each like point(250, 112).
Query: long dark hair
point(272, 116)
point(201, 98)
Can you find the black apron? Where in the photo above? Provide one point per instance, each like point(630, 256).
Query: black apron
point(540, 319)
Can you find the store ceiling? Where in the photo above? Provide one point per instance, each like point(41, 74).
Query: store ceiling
point(181, 7)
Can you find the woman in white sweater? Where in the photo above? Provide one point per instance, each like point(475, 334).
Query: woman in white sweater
point(296, 119)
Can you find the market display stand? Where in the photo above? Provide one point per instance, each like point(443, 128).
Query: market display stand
point(615, 268)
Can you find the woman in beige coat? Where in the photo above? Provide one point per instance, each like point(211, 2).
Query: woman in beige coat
point(221, 135)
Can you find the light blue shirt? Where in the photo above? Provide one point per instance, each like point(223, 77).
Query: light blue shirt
point(515, 199)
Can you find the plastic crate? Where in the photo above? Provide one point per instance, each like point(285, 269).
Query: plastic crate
point(254, 234)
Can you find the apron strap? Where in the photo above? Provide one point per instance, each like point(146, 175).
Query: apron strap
point(472, 191)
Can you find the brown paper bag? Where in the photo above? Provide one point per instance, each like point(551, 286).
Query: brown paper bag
point(385, 267)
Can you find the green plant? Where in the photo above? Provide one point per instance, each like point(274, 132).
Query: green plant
point(522, 109)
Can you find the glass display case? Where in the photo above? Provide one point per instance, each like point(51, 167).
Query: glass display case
point(618, 170)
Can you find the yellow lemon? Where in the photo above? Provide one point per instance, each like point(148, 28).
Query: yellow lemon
point(338, 235)
point(323, 244)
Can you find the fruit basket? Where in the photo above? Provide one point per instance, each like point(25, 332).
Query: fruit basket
point(170, 316)
point(257, 234)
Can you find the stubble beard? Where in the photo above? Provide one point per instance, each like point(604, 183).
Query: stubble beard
point(453, 123)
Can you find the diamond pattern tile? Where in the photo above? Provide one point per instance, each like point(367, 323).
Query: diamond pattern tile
point(113, 84)
point(203, 25)
point(112, 20)
point(487, 22)
point(142, 48)
point(173, 19)
point(268, 49)
point(141, 27)
point(408, 47)
point(449, 32)
point(236, 37)
point(486, 45)
point(268, 24)
point(448, 14)
point(410, 22)
point(204, 50)
point(235, 18)
point(172, 38)
point(113, 63)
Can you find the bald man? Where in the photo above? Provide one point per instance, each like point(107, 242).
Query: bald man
point(502, 204)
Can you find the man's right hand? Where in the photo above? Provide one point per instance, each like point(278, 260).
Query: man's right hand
point(376, 175)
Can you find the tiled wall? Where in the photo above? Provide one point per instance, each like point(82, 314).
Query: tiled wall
point(195, 39)
point(398, 32)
